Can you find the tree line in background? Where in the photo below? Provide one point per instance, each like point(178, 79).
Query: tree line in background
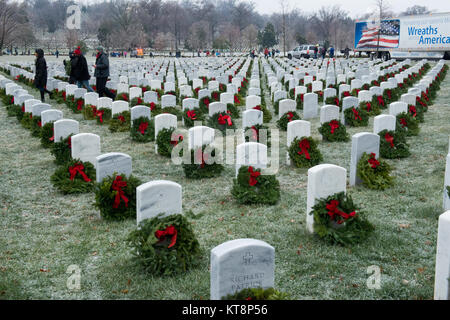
point(173, 25)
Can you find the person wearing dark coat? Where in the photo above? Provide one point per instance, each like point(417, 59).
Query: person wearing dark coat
point(40, 78)
point(102, 73)
point(80, 70)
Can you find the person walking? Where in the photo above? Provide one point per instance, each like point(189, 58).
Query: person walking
point(102, 73)
point(80, 70)
point(346, 52)
point(331, 52)
point(57, 54)
point(316, 50)
point(40, 78)
point(266, 53)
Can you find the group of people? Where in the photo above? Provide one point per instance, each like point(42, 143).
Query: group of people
point(268, 53)
point(78, 74)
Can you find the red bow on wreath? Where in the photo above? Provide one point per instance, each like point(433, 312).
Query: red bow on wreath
point(236, 100)
point(257, 108)
point(380, 101)
point(201, 157)
point(346, 94)
point(389, 139)
point(80, 104)
point(224, 120)
point(78, 169)
point(206, 102)
point(143, 127)
point(373, 162)
point(419, 100)
point(302, 96)
point(176, 139)
point(425, 96)
point(403, 122)
point(121, 119)
point(168, 232)
point(334, 125)
point(368, 106)
point(389, 94)
point(304, 147)
point(12, 100)
point(139, 100)
point(124, 97)
point(333, 211)
point(152, 106)
point(255, 133)
point(191, 115)
point(53, 137)
point(118, 186)
point(23, 108)
point(69, 142)
point(290, 115)
point(336, 101)
point(39, 124)
point(253, 175)
point(356, 114)
point(413, 111)
point(99, 114)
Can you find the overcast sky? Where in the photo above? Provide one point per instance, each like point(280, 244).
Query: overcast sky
point(354, 7)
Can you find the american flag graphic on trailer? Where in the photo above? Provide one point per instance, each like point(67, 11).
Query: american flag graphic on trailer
point(368, 34)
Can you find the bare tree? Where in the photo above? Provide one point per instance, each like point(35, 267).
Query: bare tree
point(9, 22)
point(250, 35)
point(416, 10)
point(284, 21)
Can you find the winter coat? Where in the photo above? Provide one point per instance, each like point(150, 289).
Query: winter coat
point(80, 69)
point(102, 63)
point(40, 78)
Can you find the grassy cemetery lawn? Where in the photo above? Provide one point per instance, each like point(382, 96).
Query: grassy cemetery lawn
point(45, 232)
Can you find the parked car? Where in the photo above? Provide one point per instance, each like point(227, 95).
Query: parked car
point(303, 51)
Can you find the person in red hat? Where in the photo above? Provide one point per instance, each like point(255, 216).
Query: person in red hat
point(80, 70)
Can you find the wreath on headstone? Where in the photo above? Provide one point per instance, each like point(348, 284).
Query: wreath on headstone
point(356, 117)
point(221, 121)
point(417, 112)
point(143, 130)
point(76, 105)
point(339, 221)
point(103, 116)
point(372, 110)
point(62, 151)
point(204, 104)
point(74, 177)
point(215, 96)
point(89, 112)
point(36, 126)
point(393, 145)
point(115, 197)
point(378, 103)
point(120, 122)
point(334, 100)
point(165, 246)
point(122, 96)
point(300, 100)
point(255, 135)
point(304, 152)
point(200, 166)
point(27, 120)
point(375, 174)
point(250, 187)
point(407, 124)
point(233, 111)
point(256, 294)
point(390, 95)
point(136, 102)
point(47, 135)
point(166, 141)
point(283, 122)
point(192, 116)
point(334, 131)
point(239, 100)
point(421, 103)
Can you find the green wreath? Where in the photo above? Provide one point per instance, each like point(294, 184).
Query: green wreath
point(111, 202)
point(372, 110)
point(189, 122)
point(233, 111)
point(215, 96)
point(47, 135)
point(213, 122)
point(334, 100)
point(36, 126)
point(283, 122)
point(170, 110)
point(82, 174)
point(334, 131)
point(299, 101)
point(390, 95)
point(407, 124)
point(76, 105)
point(120, 122)
point(165, 143)
point(122, 96)
point(256, 294)
point(103, 116)
point(393, 145)
point(136, 102)
point(27, 120)
point(265, 191)
point(12, 110)
point(375, 174)
point(145, 125)
point(255, 136)
point(378, 103)
point(165, 246)
point(89, 112)
point(417, 112)
point(202, 169)
point(356, 117)
point(62, 151)
point(304, 152)
point(338, 221)
point(20, 111)
point(204, 104)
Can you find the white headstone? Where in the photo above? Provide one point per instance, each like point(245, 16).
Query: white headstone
point(384, 122)
point(112, 163)
point(442, 274)
point(362, 142)
point(86, 147)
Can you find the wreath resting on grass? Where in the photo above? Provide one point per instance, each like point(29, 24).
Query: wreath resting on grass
point(339, 221)
point(120, 122)
point(250, 187)
point(416, 112)
point(36, 126)
point(143, 130)
point(283, 122)
point(221, 121)
point(115, 197)
point(27, 120)
point(356, 117)
point(204, 104)
point(233, 111)
point(62, 151)
point(74, 177)
point(333, 101)
point(304, 152)
point(378, 103)
point(372, 110)
point(200, 166)
point(375, 174)
point(407, 124)
point(76, 105)
point(334, 131)
point(165, 143)
point(255, 294)
point(165, 246)
point(103, 116)
point(393, 145)
point(47, 135)
point(255, 134)
point(192, 116)
point(89, 112)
